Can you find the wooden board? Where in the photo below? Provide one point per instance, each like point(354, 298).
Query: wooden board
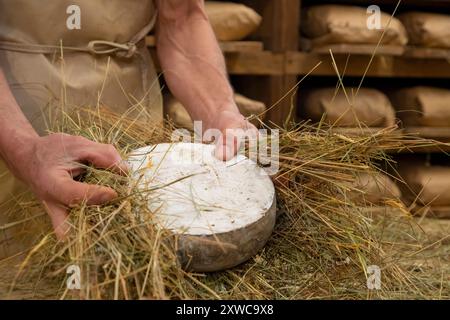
point(226, 46)
point(382, 66)
point(432, 212)
point(439, 133)
point(255, 63)
point(439, 138)
point(356, 131)
point(262, 63)
point(288, 66)
point(222, 212)
point(427, 4)
point(427, 53)
point(442, 133)
point(279, 31)
point(241, 46)
point(353, 49)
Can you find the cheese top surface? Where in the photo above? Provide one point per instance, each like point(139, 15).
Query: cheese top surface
point(197, 194)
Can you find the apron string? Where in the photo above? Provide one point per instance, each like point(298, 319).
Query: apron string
point(126, 50)
point(98, 47)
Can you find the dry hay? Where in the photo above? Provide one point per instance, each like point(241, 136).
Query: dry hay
point(321, 246)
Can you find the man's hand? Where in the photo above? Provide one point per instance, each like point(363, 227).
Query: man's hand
point(232, 125)
point(49, 164)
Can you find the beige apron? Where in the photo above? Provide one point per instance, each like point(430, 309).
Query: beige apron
point(107, 54)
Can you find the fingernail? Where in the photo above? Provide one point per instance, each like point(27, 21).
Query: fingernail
point(125, 166)
point(62, 231)
point(107, 196)
point(229, 154)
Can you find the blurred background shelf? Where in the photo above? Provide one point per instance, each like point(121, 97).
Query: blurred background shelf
point(427, 53)
point(246, 62)
point(439, 135)
point(280, 35)
point(226, 46)
point(432, 211)
point(268, 65)
point(382, 66)
point(353, 49)
point(442, 5)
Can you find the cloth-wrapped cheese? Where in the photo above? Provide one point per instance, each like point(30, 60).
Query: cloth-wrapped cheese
point(425, 29)
point(423, 106)
point(375, 187)
point(425, 185)
point(180, 117)
point(232, 21)
point(370, 107)
point(341, 24)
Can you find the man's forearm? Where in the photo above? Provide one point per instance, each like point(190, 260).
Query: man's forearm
point(16, 132)
point(191, 59)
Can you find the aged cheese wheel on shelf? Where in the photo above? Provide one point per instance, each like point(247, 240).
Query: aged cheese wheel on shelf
point(223, 212)
point(423, 106)
point(232, 21)
point(425, 185)
point(426, 29)
point(376, 187)
point(341, 24)
point(370, 107)
point(181, 118)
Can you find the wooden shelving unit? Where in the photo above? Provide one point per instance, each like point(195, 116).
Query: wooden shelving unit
point(280, 33)
point(386, 62)
point(437, 212)
point(264, 58)
point(272, 60)
point(355, 49)
point(427, 53)
point(226, 46)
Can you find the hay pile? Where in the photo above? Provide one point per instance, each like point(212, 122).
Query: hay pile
point(322, 245)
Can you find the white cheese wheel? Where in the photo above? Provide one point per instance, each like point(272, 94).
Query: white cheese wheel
point(224, 212)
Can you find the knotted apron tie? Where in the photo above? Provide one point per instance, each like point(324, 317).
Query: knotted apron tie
point(96, 47)
point(126, 50)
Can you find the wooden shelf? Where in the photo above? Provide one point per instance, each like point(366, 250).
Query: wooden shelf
point(249, 58)
point(226, 46)
point(263, 63)
point(368, 49)
point(437, 133)
point(273, 57)
point(440, 135)
point(250, 61)
point(428, 211)
point(356, 131)
point(301, 63)
point(427, 53)
point(280, 32)
point(415, 3)
point(264, 58)
point(352, 49)
point(432, 211)
point(382, 66)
